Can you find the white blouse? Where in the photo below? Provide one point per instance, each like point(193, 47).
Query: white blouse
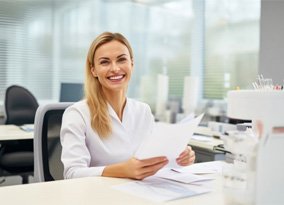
point(84, 153)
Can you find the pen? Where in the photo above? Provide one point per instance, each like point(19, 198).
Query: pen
point(174, 170)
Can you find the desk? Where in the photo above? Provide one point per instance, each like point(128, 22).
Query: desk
point(2, 115)
point(94, 190)
point(205, 151)
point(13, 132)
point(10, 133)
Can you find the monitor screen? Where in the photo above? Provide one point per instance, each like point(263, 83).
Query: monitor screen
point(71, 92)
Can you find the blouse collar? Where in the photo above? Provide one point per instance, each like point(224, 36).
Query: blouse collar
point(113, 114)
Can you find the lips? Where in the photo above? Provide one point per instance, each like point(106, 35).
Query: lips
point(116, 77)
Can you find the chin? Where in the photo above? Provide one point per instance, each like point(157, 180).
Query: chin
point(116, 87)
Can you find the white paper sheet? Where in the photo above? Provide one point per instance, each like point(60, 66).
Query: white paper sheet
point(159, 190)
point(27, 127)
point(168, 140)
point(187, 118)
point(183, 177)
point(203, 168)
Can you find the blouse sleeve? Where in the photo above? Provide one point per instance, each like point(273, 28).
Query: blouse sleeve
point(75, 154)
point(150, 118)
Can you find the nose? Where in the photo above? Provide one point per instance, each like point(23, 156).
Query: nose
point(114, 67)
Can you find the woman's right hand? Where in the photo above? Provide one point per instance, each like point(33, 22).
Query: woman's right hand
point(135, 168)
point(140, 169)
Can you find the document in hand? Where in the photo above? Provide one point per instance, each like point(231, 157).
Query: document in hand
point(168, 140)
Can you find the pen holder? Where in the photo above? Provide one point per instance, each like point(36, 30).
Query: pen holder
point(239, 177)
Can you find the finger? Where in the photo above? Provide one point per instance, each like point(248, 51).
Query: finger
point(154, 168)
point(191, 157)
point(145, 175)
point(149, 171)
point(187, 160)
point(192, 154)
point(153, 161)
point(184, 159)
point(187, 150)
point(184, 154)
point(185, 163)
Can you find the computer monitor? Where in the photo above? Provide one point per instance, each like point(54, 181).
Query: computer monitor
point(71, 92)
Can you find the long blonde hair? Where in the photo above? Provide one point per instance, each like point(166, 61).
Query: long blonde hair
point(100, 119)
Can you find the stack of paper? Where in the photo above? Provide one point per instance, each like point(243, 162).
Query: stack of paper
point(159, 190)
point(27, 127)
point(202, 168)
point(182, 177)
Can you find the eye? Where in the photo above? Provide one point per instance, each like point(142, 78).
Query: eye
point(122, 60)
point(104, 62)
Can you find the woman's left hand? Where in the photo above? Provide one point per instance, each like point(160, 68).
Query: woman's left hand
point(187, 157)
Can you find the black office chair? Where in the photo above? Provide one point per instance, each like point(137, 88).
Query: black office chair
point(17, 156)
point(47, 146)
point(20, 105)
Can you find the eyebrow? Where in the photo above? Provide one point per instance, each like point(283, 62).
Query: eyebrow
point(121, 55)
point(105, 58)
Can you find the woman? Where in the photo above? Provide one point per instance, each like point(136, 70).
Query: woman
point(100, 134)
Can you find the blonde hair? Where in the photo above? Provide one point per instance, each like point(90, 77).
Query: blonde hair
point(100, 119)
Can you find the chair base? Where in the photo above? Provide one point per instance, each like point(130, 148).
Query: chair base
point(24, 176)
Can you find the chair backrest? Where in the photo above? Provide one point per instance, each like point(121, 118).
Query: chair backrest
point(47, 147)
point(71, 92)
point(20, 105)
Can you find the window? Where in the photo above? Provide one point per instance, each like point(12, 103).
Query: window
point(26, 56)
point(44, 43)
point(232, 45)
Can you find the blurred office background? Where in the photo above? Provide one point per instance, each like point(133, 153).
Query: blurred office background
point(44, 43)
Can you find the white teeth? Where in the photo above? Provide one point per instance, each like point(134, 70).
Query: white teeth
point(117, 77)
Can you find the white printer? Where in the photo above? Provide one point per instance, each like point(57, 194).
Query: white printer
point(266, 110)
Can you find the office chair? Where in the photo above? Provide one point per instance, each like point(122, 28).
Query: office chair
point(20, 105)
point(47, 146)
point(16, 157)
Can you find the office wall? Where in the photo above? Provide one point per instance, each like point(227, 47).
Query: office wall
point(271, 57)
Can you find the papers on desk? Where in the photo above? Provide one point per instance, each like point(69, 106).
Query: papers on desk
point(169, 185)
point(168, 140)
point(182, 177)
point(202, 168)
point(27, 127)
point(159, 190)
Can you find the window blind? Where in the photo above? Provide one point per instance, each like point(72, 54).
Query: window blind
point(44, 43)
point(25, 52)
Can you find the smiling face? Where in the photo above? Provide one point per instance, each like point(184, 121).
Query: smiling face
point(112, 66)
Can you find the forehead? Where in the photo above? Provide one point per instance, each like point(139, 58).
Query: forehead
point(111, 49)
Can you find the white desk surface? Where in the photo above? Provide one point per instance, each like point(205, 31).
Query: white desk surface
point(13, 132)
point(94, 190)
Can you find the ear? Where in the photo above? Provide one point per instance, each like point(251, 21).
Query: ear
point(132, 64)
point(94, 72)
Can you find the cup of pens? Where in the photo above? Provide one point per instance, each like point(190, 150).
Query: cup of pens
point(266, 84)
